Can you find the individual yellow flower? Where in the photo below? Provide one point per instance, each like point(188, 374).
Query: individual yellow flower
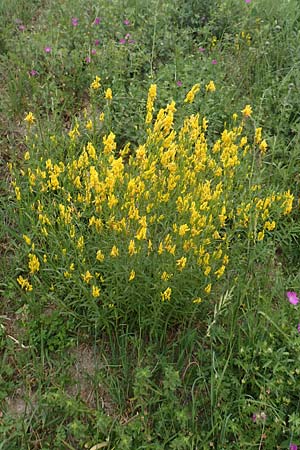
point(207, 288)
point(183, 229)
point(181, 263)
point(95, 291)
point(166, 295)
point(165, 276)
point(27, 239)
point(263, 146)
point(270, 226)
point(30, 119)
point(131, 248)
point(24, 283)
point(26, 156)
point(18, 193)
point(101, 117)
point(108, 94)
point(89, 125)
point(191, 94)
point(131, 276)
point(210, 87)
point(220, 271)
point(197, 300)
point(87, 276)
point(33, 263)
point(114, 251)
point(96, 83)
point(100, 257)
point(247, 111)
point(261, 235)
point(207, 271)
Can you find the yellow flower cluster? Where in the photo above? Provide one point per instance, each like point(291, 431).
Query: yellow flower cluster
point(162, 214)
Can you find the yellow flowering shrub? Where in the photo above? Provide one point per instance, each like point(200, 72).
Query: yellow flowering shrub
point(128, 232)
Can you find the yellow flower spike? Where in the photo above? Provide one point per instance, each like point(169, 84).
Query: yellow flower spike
point(29, 118)
point(33, 263)
point(108, 94)
point(247, 111)
point(257, 138)
point(80, 243)
point(166, 295)
point(150, 102)
point(96, 83)
point(109, 143)
point(131, 276)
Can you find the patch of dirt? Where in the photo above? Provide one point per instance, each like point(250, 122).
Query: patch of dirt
point(87, 364)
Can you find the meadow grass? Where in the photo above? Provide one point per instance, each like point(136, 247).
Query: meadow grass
point(150, 225)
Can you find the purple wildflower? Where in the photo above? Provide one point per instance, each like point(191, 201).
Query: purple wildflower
point(201, 49)
point(214, 61)
point(293, 447)
point(122, 41)
point(131, 41)
point(292, 297)
point(127, 36)
point(179, 83)
point(126, 22)
point(298, 328)
point(97, 41)
point(47, 49)
point(97, 21)
point(88, 59)
point(93, 52)
point(74, 21)
point(247, 1)
point(253, 418)
point(33, 73)
point(22, 27)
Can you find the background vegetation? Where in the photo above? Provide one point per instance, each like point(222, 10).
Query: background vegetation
point(146, 345)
